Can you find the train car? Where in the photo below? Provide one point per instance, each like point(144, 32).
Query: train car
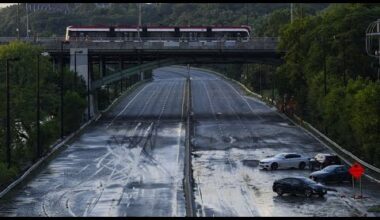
point(123, 33)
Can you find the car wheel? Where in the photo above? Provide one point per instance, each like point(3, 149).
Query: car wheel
point(302, 165)
point(311, 167)
point(308, 193)
point(274, 166)
point(279, 191)
point(321, 194)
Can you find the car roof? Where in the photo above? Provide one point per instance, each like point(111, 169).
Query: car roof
point(294, 177)
point(336, 165)
point(288, 153)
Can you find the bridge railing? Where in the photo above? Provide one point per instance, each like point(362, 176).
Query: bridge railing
point(255, 43)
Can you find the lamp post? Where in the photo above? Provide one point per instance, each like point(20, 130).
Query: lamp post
point(344, 57)
point(273, 85)
point(18, 22)
point(321, 40)
point(88, 90)
point(38, 103)
point(61, 85)
point(8, 140)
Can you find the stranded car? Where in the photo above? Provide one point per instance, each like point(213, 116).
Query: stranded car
point(332, 173)
point(321, 161)
point(299, 185)
point(284, 160)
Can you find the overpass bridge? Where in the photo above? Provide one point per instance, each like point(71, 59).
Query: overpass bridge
point(133, 58)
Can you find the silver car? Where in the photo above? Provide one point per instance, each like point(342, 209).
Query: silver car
point(284, 160)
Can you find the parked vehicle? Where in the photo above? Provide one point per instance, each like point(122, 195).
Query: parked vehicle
point(285, 160)
point(322, 160)
point(332, 173)
point(299, 185)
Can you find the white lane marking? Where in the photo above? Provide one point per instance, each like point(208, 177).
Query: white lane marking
point(174, 201)
point(244, 99)
point(125, 108)
point(69, 208)
point(83, 168)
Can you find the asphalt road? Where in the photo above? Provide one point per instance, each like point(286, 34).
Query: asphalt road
point(131, 162)
point(232, 133)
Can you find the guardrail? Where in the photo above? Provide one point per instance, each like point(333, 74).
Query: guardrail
point(257, 43)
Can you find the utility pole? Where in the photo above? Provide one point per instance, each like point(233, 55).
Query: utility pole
point(273, 84)
point(8, 121)
point(38, 108)
point(88, 90)
point(324, 66)
point(260, 77)
point(378, 68)
point(61, 85)
point(18, 22)
point(344, 62)
point(8, 117)
point(291, 12)
point(27, 20)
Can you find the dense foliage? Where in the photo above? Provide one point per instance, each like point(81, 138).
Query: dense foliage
point(23, 99)
point(333, 42)
point(45, 23)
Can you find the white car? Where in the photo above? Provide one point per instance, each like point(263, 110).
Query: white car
point(284, 160)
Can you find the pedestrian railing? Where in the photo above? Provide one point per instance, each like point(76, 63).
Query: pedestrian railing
point(257, 43)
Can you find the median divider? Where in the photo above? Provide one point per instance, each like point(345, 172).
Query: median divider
point(372, 172)
point(59, 144)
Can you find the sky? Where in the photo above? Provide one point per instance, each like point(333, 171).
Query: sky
point(2, 5)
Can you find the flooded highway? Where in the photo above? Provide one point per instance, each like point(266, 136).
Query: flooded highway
point(131, 161)
point(232, 133)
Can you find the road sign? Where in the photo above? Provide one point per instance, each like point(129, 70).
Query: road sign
point(356, 170)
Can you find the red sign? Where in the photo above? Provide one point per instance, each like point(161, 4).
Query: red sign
point(356, 170)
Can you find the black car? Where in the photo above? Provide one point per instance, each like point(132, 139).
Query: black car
point(332, 173)
point(298, 185)
point(321, 161)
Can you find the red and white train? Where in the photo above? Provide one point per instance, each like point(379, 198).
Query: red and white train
point(158, 33)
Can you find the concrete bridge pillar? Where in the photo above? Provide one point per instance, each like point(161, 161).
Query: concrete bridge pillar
point(79, 60)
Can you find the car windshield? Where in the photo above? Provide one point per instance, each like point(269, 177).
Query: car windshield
point(308, 181)
point(329, 168)
point(279, 155)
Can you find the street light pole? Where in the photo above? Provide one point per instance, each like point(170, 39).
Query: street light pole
point(8, 118)
point(88, 90)
point(273, 83)
point(38, 108)
point(18, 22)
point(8, 139)
point(61, 85)
point(38, 104)
point(324, 66)
point(27, 20)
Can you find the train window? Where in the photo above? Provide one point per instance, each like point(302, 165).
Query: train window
point(155, 35)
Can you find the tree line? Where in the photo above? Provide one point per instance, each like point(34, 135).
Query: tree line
point(47, 24)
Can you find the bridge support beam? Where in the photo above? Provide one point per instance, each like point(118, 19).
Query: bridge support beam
point(79, 61)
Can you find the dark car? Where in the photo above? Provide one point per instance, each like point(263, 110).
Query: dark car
point(332, 173)
point(321, 161)
point(299, 185)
